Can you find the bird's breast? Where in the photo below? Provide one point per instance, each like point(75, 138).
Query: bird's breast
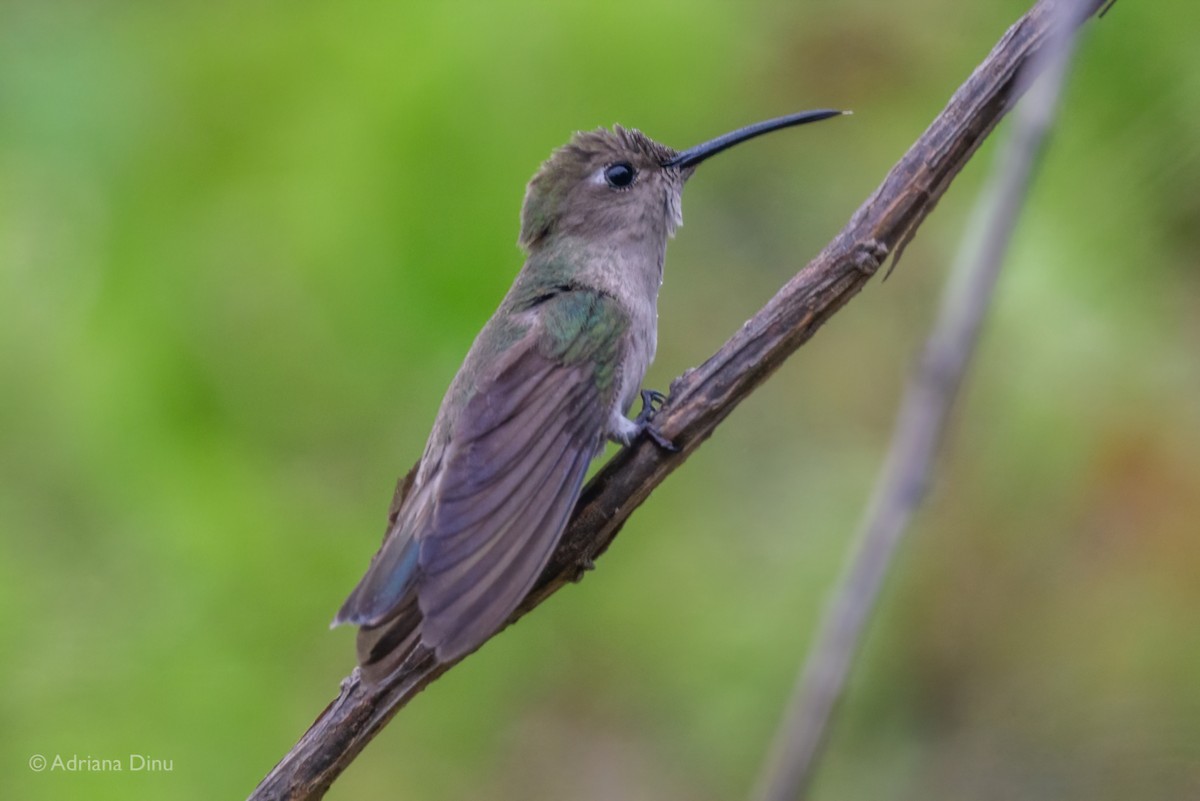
point(639, 353)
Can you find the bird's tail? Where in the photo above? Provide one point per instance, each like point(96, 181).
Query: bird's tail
point(384, 648)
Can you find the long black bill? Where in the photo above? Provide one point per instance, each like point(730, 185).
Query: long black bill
point(693, 156)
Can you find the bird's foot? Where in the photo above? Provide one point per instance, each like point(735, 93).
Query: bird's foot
point(652, 402)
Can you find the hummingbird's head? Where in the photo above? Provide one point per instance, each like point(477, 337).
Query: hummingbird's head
point(622, 183)
point(603, 182)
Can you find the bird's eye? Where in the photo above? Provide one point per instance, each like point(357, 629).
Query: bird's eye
point(619, 175)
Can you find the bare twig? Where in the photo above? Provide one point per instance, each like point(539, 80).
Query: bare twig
point(922, 421)
point(703, 397)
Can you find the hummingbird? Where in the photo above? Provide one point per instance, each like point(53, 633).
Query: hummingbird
point(548, 381)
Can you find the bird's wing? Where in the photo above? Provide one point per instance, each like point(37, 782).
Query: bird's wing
point(384, 589)
point(514, 469)
point(486, 513)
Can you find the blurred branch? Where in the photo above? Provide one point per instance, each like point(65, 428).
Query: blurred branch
point(703, 397)
point(921, 423)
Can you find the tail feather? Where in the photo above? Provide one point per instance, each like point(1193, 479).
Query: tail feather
point(384, 648)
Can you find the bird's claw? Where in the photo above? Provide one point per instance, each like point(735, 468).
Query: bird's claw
point(652, 402)
point(660, 439)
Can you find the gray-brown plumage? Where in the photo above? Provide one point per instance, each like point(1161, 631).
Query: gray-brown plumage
point(550, 377)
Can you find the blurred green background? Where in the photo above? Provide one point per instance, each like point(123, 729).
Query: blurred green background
point(243, 247)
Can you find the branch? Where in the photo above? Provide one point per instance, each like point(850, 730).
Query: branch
point(920, 425)
point(703, 397)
